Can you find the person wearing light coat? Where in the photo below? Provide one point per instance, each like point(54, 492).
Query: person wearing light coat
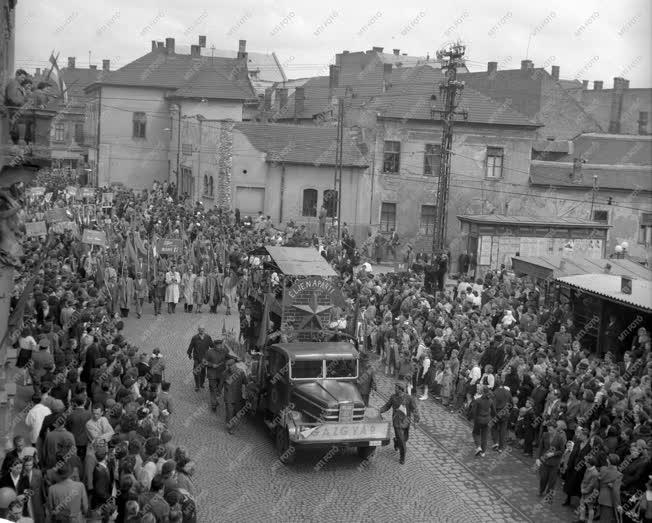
point(172, 280)
point(188, 286)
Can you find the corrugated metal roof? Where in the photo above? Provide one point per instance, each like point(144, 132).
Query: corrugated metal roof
point(574, 266)
point(494, 219)
point(300, 261)
point(608, 286)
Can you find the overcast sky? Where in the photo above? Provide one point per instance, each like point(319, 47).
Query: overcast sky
point(593, 40)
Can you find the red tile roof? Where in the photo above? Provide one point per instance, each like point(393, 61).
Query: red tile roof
point(300, 144)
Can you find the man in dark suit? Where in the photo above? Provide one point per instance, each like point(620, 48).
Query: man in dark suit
point(576, 465)
point(483, 410)
point(551, 449)
point(404, 409)
point(102, 480)
point(76, 424)
point(503, 404)
point(197, 349)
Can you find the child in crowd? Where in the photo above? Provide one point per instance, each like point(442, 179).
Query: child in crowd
point(164, 401)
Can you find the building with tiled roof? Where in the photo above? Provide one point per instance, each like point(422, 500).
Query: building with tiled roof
point(140, 112)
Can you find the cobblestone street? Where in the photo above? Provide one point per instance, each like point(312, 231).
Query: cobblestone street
point(239, 477)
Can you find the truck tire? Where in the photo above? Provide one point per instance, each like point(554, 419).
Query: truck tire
point(286, 451)
point(366, 452)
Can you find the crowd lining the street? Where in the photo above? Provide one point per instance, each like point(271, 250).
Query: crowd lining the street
point(491, 349)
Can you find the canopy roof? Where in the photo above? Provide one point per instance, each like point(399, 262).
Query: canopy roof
point(609, 286)
point(546, 266)
point(300, 261)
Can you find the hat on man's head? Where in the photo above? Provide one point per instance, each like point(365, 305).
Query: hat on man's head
point(44, 343)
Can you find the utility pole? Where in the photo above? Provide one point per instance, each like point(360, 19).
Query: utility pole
point(451, 58)
point(593, 191)
point(339, 148)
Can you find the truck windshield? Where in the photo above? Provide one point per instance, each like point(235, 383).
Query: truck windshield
point(307, 369)
point(341, 369)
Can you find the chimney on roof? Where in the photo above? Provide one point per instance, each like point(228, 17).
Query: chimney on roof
point(267, 103)
point(161, 45)
point(93, 67)
point(404, 54)
point(492, 67)
point(282, 96)
point(71, 62)
point(242, 49)
point(345, 52)
point(387, 75)
point(154, 46)
point(616, 112)
point(377, 49)
point(555, 72)
point(202, 41)
point(397, 52)
point(299, 101)
point(37, 72)
point(169, 45)
point(106, 65)
point(195, 50)
point(333, 76)
point(597, 85)
point(585, 84)
point(526, 65)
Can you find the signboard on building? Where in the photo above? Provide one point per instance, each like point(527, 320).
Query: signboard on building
point(35, 229)
point(170, 247)
point(35, 191)
point(94, 237)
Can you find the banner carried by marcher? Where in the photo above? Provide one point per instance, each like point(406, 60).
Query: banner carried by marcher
point(35, 191)
point(85, 192)
point(71, 190)
point(56, 215)
point(94, 237)
point(170, 247)
point(107, 199)
point(35, 229)
point(61, 227)
point(47, 197)
point(400, 267)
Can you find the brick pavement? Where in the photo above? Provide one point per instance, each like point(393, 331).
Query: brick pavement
point(509, 475)
point(239, 477)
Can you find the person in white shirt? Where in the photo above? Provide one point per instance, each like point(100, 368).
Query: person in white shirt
point(474, 375)
point(98, 428)
point(35, 417)
point(425, 373)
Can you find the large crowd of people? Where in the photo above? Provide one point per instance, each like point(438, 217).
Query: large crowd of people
point(97, 443)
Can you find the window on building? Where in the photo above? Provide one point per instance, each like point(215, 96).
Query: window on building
point(79, 133)
point(495, 156)
point(186, 181)
point(645, 229)
point(59, 132)
point(387, 217)
point(330, 202)
point(310, 202)
point(428, 215)
point(432, 159)
point(391, 157)
point(205, 184)
point(601, 216)
point(186, 149)
point(139, 125)
point(211, 187)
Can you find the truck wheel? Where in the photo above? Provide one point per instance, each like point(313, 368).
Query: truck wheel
point(286, 451)
point(366, 452)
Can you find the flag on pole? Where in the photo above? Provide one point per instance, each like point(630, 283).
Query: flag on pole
point(56, 74)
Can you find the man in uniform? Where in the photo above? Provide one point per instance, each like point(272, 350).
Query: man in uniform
point(234, 379)
point(404, 408)
point(215, 363)
point(196, 351)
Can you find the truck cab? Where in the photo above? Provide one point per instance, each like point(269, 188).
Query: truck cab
point(308, 396)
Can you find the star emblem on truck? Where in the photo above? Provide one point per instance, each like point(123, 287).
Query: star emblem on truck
point(313, 309)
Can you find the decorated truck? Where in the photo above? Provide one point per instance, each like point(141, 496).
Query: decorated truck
point(307, 379)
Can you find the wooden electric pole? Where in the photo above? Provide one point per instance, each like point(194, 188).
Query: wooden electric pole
point(451, 58)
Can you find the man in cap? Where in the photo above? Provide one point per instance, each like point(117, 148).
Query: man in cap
point(404, 409)
point(214, 362)
point(234, 379)
point(199, 345)
point(42, 363)
point(141, 290)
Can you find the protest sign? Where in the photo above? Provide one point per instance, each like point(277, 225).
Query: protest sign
point(60, 227)
point(87, 192)
point(170, 247)
point(107, 199)
point(400, 267)
point(94, 237)
point(56, 215)
point(35, 191)
point(35, 229)
point(71, 190)
point(48, 197)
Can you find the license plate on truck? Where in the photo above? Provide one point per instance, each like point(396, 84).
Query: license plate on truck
point(375, 443)
point(347, 431)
